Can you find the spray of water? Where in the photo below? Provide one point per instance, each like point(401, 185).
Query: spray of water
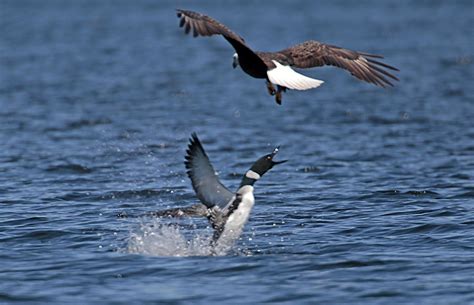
point(155, 238)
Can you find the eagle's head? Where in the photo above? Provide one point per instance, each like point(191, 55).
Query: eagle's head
point(235, 63)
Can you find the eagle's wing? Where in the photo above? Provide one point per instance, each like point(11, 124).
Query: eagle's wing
point(207, 186)
point(361, 65)
point(205, 26)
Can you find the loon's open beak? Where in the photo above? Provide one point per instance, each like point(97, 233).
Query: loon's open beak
point(275, 151)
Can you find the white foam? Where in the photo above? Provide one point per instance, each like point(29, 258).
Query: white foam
point(159, 239)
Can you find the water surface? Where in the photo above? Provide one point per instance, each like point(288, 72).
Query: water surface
point(98, 99)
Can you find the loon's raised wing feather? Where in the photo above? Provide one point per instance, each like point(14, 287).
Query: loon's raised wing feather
point(206, 184)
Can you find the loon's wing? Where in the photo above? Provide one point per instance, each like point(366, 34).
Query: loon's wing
point(207, 186)
point(195, 210)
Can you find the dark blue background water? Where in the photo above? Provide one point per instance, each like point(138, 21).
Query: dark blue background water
point(98, 99)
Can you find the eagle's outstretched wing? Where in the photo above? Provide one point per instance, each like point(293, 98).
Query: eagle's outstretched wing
point(205, 26)
point(207, 186)
point(361, 65)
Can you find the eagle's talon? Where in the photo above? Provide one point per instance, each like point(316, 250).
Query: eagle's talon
point(271, 90)
point(278, 97)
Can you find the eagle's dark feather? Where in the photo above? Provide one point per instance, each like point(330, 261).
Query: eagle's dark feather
point(362, 65)
point(205, 26)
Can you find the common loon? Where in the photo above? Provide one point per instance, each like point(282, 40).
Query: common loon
point(226, 211)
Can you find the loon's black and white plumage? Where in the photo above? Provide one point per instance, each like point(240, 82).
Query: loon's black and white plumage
point(227, 211)
point(275, 67)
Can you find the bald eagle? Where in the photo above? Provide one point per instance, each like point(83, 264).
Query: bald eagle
point(276, 67)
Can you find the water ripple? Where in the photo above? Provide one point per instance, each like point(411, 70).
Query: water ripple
point(98, 99)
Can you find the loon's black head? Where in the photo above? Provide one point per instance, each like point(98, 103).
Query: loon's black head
point(265, 163)
point(260, 167)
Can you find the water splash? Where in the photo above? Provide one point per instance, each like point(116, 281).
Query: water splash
point(155, 238)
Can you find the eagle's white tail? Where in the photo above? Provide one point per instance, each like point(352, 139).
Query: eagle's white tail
point(289, 78)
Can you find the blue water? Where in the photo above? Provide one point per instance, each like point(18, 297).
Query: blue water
point(98, 100)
